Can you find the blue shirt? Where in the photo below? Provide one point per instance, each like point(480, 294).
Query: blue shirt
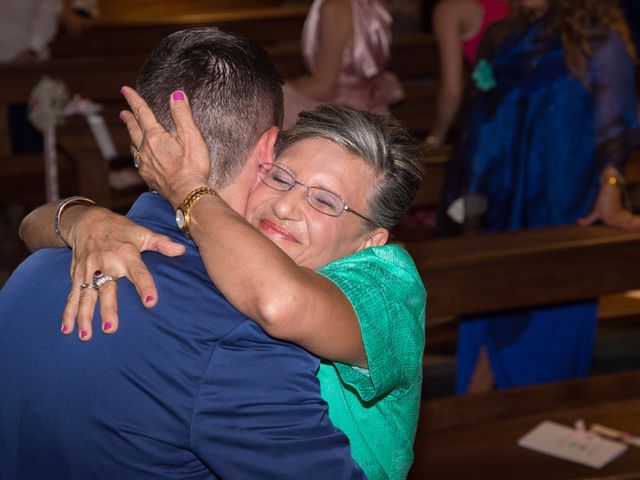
point(190, 389)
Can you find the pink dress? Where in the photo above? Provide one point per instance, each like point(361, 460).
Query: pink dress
point(363, 81)
point(494, 11)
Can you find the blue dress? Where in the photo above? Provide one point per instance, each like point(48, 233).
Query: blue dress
point(534, 145)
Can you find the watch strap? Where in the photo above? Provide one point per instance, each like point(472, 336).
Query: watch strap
point(188, 203)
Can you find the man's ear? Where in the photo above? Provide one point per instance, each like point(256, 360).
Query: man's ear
point(267, 144)
point(375, 238)
point(264, 150)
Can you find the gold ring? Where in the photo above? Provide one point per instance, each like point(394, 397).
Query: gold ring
point(136, 159)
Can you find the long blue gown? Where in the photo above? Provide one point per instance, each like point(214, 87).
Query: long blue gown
point(534, 146)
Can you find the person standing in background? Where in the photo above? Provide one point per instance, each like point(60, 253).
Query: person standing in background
point(458, 26)
point(552, 121)
point(346, 45)
point(27, 27)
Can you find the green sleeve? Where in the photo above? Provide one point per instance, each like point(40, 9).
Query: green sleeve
point(388, 296)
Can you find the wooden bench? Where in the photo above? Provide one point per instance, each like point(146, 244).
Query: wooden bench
point(135, 34)
point(489, 273)
point(476, 436)
point(99, 78)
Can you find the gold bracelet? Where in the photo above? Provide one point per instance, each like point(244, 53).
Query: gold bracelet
point(77, 200)
point(183, 215)
point(613, 179)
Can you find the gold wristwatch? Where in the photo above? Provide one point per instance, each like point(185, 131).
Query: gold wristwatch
point(182, 213)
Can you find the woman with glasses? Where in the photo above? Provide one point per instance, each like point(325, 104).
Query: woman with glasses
point(340, 180)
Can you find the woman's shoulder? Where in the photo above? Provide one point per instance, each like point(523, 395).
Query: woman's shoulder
point(336, 7)
point(457, 11)
point(391, 255)
point(388, 269)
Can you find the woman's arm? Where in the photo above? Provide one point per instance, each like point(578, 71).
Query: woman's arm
point(446, 27)
point(290, 302)
point(101, 240)
point(616, 130)
point(36, 229)
point(449, 18)
point(336, 29)
point(609, 208)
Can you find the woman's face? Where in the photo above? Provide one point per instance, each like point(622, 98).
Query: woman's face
point(311, 238)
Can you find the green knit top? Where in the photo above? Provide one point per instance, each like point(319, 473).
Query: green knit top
point(378, 408)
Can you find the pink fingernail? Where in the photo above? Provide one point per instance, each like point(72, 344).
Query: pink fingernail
point(121, 116)
point(83, 333)
point(122, 90)
point(148, 298)
point(107, 326)
point(64, 328)
point(178, 95)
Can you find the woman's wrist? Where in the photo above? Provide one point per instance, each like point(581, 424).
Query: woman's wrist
point(83, 218)
point(63, 207)
point(182, 189)
point(611, 176)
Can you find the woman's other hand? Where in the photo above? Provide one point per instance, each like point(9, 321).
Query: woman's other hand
point(609, 208)
point(172, 163)
point(111, 243)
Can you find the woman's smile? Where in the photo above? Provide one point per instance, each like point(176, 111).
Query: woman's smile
point(270, 228)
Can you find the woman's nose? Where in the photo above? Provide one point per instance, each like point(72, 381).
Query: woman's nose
point(288, 205)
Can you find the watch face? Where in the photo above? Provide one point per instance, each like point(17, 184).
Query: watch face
point(180, 219)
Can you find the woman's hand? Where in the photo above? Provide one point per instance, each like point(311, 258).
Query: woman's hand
point(176, 163)
point(610, 210)
point(105, 241)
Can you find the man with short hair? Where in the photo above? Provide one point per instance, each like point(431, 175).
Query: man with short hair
point(192, 388)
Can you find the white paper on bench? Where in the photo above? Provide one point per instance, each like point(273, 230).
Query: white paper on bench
point(567, 443)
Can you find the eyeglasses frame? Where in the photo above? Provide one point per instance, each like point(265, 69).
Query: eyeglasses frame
point(345, 208)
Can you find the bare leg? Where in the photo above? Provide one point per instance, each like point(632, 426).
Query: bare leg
point(482, 380)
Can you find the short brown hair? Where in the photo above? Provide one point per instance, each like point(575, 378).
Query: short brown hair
point(233, 88)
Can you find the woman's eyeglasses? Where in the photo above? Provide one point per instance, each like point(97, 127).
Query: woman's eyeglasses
point(320, 199)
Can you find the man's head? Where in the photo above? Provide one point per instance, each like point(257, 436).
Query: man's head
point(233, 88)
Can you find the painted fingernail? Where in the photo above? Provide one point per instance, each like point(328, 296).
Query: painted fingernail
point(64, 328)
point(148, 298)
point(178, 95)
point(107, 326)
point(122, 90)
point(121, 116)
point(83, 333)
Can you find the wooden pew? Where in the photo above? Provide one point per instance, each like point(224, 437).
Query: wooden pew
point(99, 79)
point(476, 436)
point(134, 34)
point(488, 273)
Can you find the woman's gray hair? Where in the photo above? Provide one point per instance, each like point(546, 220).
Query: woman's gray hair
point(381, 141)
